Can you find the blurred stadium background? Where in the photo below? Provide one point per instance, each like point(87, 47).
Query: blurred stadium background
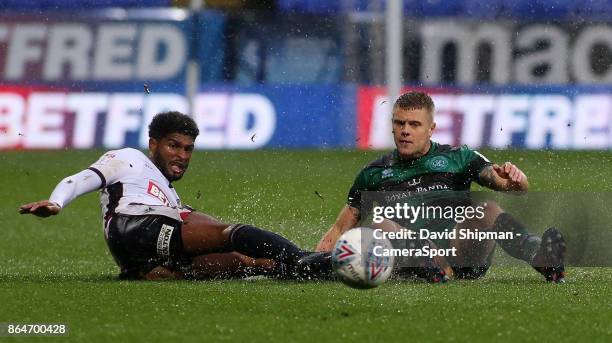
point(306, 83)
point(304, 74)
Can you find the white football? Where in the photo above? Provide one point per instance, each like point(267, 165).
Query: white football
point(355, 262)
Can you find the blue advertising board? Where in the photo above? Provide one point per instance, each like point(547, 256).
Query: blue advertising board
point(109, 50)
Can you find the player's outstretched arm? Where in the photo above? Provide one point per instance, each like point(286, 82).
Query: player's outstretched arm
point(43, 208)
point(347, 219)
point(506, 177)
point(65, 191)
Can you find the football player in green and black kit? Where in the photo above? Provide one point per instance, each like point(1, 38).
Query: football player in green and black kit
point(420, 166)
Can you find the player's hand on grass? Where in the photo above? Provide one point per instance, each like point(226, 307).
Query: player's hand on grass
point(44, 208)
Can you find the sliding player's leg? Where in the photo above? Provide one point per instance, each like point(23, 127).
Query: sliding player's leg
point(229, 265)
point(213, 266)
point(545, 254)
point(202, 234)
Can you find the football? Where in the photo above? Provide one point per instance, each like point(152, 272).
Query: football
point(355, 262)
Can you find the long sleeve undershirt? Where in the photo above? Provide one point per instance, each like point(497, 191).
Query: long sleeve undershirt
point(76, 185)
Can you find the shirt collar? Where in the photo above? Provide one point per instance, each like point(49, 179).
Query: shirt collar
point(398, 159)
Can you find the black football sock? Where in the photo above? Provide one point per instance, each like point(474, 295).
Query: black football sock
point(257, 243)
point(524, 245)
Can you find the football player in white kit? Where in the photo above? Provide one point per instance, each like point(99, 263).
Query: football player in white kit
point(152, 235)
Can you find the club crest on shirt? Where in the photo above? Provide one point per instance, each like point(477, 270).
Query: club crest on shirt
point(155, 191)
point(387, 173)
point(438, 163)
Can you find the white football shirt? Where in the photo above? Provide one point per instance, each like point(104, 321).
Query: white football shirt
point(133, 185)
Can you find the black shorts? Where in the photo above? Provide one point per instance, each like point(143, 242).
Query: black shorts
point(141, 243)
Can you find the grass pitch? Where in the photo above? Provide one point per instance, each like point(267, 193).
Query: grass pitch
point(58, 270)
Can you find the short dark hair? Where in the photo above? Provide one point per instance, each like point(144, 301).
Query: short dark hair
point(415, 101)
point(165, 123)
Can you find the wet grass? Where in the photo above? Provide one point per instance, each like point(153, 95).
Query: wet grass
point(59, 270)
